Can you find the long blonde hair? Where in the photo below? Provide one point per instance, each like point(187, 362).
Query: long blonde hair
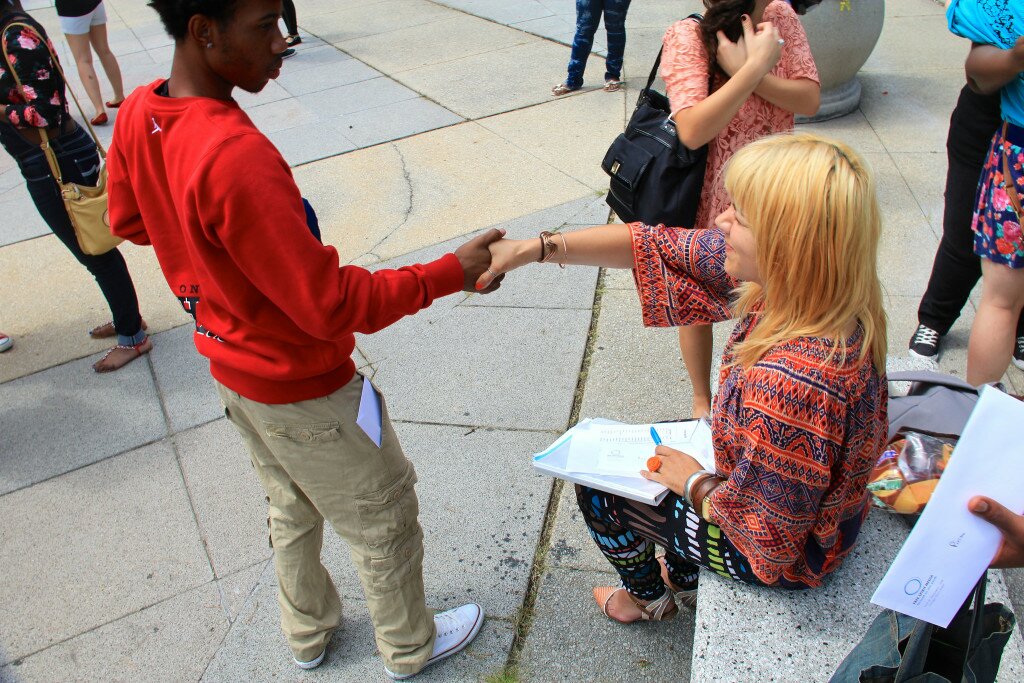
point(812, 207)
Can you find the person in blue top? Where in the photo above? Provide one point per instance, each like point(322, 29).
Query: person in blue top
point(996, 64)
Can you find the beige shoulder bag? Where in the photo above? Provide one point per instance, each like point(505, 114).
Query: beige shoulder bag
point(86, 206)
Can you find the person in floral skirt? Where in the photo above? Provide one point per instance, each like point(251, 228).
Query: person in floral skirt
point(996, 64)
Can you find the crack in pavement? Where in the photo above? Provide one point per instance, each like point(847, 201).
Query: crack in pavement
point(409, 203)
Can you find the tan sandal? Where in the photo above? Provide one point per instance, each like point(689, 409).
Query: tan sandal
point(662, 609)
point(120, 356)
point(562, 89)
point(686, 598)
point(613, 85)
point(106, 330)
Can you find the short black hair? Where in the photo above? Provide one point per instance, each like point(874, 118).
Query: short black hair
point(175, 14)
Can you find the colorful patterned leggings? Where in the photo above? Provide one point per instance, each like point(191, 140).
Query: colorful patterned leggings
point(626, 532)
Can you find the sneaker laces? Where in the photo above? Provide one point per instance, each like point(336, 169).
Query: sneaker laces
point(1020, 346)
point(926, 335)
point(446, 623)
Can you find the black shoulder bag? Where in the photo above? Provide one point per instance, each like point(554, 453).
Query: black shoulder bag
point(655, 178)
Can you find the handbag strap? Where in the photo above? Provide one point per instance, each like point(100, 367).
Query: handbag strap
point(657, 62)
point(56, 63)
point(962, 636)
point(1011, 189)
point(935, 378)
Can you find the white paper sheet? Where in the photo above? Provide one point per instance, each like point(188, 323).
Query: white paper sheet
point(552, 460)
point(369, 416)
point(623, 450)
point(949, 548)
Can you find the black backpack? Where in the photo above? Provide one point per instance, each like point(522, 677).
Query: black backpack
point(655, 178)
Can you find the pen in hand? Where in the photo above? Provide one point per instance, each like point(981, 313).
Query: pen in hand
point(654, 462)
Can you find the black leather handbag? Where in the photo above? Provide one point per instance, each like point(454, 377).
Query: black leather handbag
point(655, 178)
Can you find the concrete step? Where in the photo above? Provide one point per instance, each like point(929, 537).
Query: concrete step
point(753, 634)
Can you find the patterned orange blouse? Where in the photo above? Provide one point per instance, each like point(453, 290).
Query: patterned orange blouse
point(795, 435)
point(684, 67)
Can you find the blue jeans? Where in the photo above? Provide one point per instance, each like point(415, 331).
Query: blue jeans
point(80, 163)
point(588, 16)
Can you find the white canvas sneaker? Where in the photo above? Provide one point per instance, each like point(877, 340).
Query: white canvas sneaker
point(456, 628)
point(313, 663)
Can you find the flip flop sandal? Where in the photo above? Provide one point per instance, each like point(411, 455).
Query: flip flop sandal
point(613, 85)
point(662, 609)
point(562, 89)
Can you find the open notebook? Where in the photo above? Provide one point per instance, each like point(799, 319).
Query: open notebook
point(554, 459)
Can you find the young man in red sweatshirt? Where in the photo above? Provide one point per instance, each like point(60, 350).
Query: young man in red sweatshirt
point(275, 314)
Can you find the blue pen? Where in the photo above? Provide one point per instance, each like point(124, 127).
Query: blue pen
point(654, 435)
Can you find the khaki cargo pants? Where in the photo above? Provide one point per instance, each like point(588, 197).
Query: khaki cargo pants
point(316, 463)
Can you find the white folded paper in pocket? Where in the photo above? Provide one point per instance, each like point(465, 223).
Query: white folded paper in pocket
point(369, 418)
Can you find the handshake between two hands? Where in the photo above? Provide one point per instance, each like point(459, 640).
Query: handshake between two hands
point(486, 258)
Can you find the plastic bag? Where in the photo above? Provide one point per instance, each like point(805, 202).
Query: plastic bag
point(905, 476)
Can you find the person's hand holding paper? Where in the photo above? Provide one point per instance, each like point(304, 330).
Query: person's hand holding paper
point(949, 548)
point(1011, 552)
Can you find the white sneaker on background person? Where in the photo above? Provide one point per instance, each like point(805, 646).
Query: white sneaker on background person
point(456, 628)
point(5, 342)
point(1018, 353)
point(313, 663)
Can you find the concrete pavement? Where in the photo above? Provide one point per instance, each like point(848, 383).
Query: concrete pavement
point(134, 544)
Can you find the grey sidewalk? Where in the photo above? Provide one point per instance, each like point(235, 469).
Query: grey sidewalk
point(134, 545)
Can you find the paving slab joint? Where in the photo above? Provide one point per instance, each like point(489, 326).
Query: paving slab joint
point(172, 440)
point(525, 614)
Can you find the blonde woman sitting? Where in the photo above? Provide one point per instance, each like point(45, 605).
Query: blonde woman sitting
point(800, 414)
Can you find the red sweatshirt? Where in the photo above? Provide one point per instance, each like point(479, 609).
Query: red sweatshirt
point(275, 311)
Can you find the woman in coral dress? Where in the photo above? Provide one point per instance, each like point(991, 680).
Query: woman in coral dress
point(725, 98)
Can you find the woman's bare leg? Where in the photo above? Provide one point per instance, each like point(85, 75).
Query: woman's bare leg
point(995, 325)
point(82, 52)
point(695, 343)
point(98, 38)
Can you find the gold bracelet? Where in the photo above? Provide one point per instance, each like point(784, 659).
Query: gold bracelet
point(705, 508)
point(565, 252)
point(704, 489)
point(548, 247)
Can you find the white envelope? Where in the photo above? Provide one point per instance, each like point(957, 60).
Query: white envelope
point(949, 547)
